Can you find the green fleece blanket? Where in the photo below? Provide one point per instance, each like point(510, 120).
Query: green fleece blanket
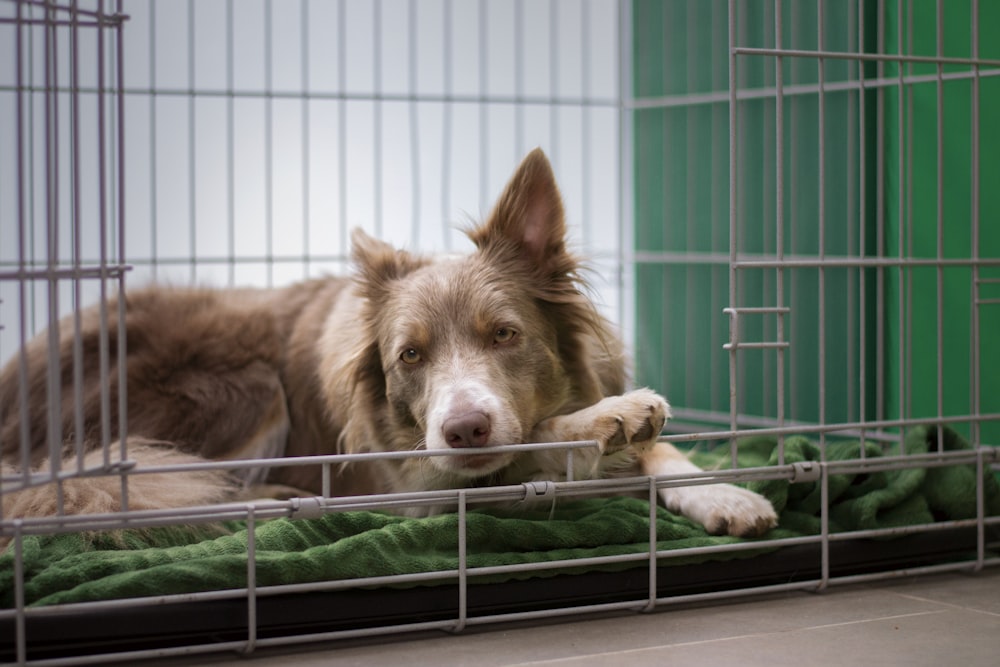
point(72, 568)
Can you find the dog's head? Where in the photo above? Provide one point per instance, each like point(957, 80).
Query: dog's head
point(473, 352)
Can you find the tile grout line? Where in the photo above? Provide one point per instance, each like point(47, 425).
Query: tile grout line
point(554, 661)
point(950, 605)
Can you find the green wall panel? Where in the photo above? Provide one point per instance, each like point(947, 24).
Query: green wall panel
point(682, 229)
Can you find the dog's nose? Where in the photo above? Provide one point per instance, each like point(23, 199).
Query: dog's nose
point(469, 430)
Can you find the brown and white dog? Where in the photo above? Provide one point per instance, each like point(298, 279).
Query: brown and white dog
point(501, 346)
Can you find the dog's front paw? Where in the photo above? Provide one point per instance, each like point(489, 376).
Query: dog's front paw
point(725, 509)
point(634, 419)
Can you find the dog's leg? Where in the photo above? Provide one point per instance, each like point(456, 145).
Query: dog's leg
point(623, 426)
point(626, 428)
point(722, 508)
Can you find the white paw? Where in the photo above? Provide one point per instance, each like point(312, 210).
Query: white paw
point(633, 419)
point(725, 509)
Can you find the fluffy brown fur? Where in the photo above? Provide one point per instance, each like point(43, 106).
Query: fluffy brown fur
point(501, 346)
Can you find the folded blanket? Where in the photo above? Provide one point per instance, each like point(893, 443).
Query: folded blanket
point(74, 568)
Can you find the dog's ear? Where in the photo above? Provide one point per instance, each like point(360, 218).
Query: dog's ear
point(528, 219)
point(377, 263)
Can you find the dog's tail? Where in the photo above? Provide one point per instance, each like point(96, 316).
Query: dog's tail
point(102, 494)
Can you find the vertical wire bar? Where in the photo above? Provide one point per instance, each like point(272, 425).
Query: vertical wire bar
point(980, 504)
point(446, 119)
point(19, 606)
point(821, 73)
point(269, 141)
point(793, 291)
point(851, 194)
point(104, 345)
point(31, 169)
point(976, 340)
point(230, 146)
point(519, 77)
point(192, 170)
point(768, 396)
point(585, 124)
point(651, 603)
point(415, 200)
point(779, 221)
point(304, 100)
point(717, 273)
point(880, 338)
point(342, 122)
point(108, 155)
point(743, 30)
point(940, 222)
point(52, 219)
point(153, 203)
point(554, 108)
point(78, 421)
point(908, 330)
point(463, 563)
point(626, 220)
point(377, 112)
point(733, 221)
point(251, 581)
point(824, 526)
point(120, 175)
point(862, 367)
point(23, 174)
point(25, 435)
point(693, 288)
point(900, 227)
point(484, 89)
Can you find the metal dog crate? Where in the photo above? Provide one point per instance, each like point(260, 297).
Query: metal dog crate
point(790, 208)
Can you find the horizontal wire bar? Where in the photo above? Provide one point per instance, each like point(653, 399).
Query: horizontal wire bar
point(777, 345)
point(811, 584)
point(595, 255)
point(910, 572)
point(103, 18)
point(19, 481)
point(129, 467)
point(696, 420)
point(421, 577)
point(847, 262)
point(757, 310)
point(290, 508)
point(141, 654)
point(102, 271)
point(632, 605)
point(801, 261)
point(795, 90)
point(799, 428)
point(875, 57)
point(627, 605)
point(667, 101)
point(516, 492)
point(107, 21)
point(374, 96)
point(899, 531)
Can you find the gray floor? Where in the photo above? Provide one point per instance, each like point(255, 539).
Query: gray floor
point(951, 619)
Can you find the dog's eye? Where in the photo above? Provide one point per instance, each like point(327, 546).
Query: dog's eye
point(504, 335)
point(410, 356)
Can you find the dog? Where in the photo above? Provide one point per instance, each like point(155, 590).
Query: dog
point(411, 353)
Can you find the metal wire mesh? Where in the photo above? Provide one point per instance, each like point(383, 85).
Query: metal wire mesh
point(752, 203)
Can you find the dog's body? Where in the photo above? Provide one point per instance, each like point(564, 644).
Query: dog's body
point(498, 347)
